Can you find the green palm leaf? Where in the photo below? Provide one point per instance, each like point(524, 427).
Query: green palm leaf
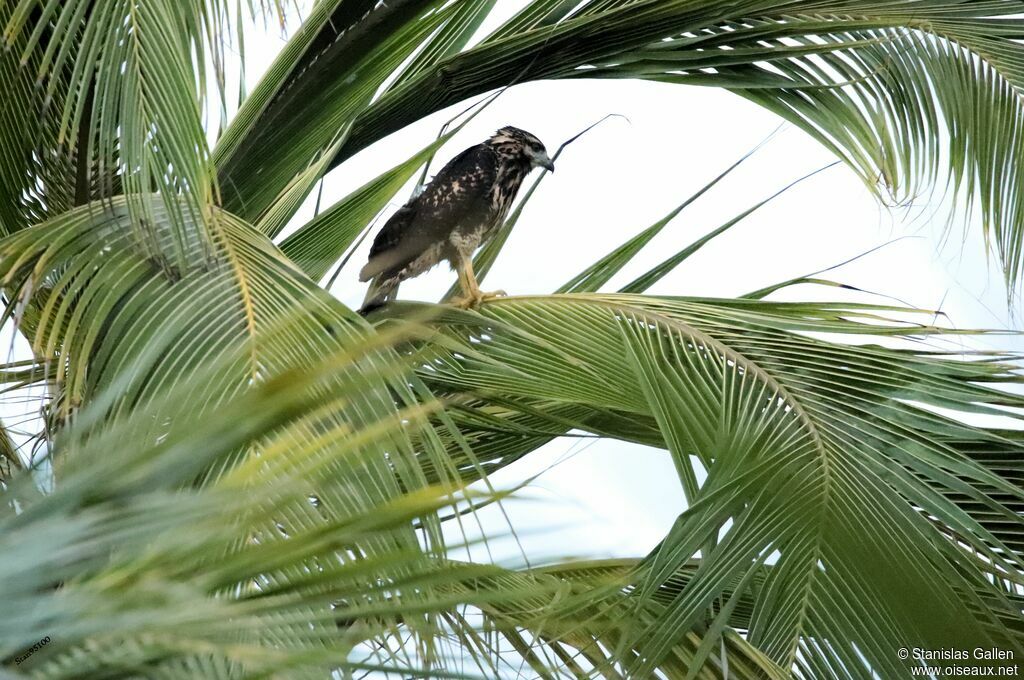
point(812, 449)
point(242, 576)
point(252, 481)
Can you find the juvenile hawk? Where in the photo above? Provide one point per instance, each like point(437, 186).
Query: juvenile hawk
point(455, 213)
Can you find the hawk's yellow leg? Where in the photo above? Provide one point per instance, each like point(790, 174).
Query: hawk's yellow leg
point(471, 296)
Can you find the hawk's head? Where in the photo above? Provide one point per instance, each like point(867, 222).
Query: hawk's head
point(521, 146)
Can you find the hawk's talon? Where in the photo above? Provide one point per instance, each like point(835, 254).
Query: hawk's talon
point(454, 214)
point(464, 302)
point(472, 300)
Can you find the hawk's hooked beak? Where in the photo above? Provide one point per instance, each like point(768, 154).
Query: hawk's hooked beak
point(543, 161)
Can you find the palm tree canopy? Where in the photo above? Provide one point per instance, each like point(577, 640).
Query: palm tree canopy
point(251, 480)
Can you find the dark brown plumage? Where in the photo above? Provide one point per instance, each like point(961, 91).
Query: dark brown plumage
point(455, 214)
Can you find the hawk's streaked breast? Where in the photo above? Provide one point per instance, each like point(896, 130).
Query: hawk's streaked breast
point(457, 211)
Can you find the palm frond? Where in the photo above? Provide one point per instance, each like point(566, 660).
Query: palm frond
point(831, 457)
point(253, 481)
point(273, 567)
point(127, 86)
point(118, 332)
point(322, 87)
point(38, 177)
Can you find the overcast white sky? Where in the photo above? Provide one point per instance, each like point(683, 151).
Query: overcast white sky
point(611, 498)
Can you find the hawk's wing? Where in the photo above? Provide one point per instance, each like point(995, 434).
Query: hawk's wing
point(458, 196)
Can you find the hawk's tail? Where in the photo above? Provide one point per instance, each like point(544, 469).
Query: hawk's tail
point(381, 291)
